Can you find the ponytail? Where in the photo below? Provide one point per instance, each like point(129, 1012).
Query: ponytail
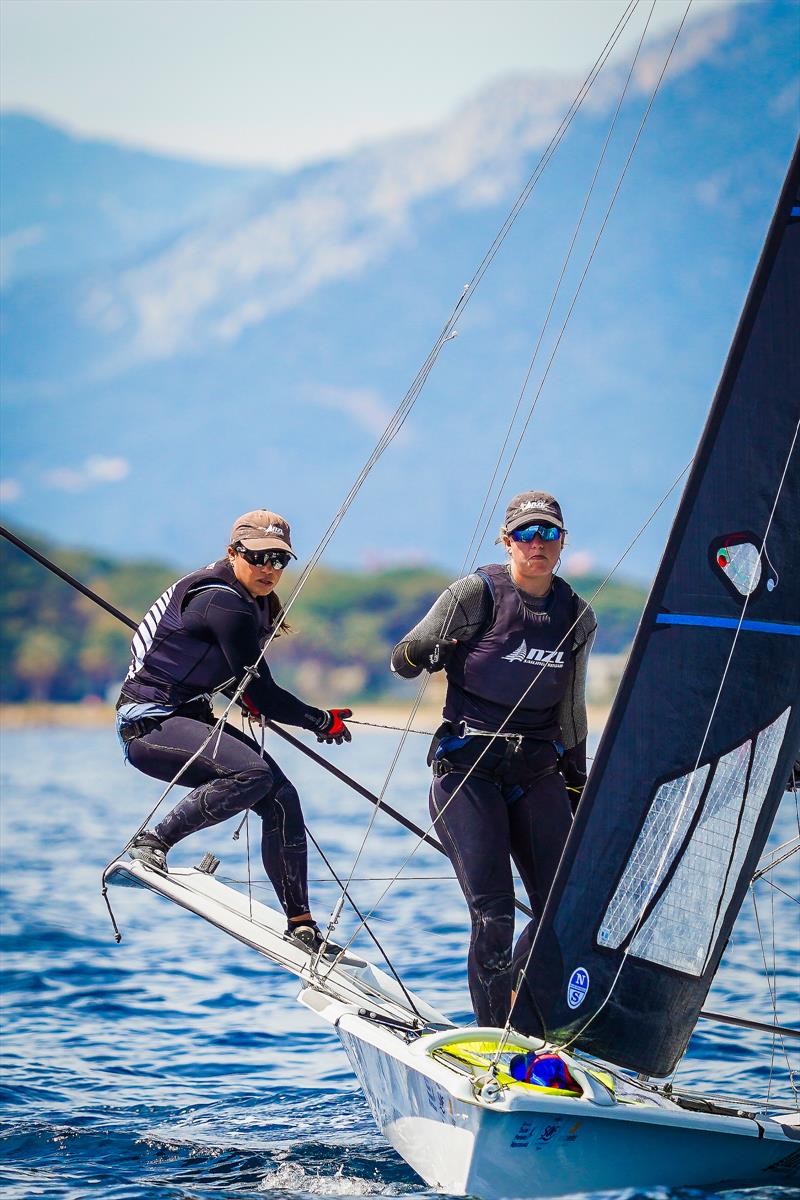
point(275, 611)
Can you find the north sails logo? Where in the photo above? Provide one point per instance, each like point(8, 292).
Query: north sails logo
point(538, 658)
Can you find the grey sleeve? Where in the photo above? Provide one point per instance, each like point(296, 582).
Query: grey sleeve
point(572, 710)
point(460, 612)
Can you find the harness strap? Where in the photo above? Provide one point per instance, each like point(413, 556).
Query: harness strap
point(198, 710)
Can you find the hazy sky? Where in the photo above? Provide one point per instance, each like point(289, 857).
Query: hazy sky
point(283, 81)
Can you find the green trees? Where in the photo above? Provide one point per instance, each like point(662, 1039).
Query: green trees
point(55, 644)
point(37, 662)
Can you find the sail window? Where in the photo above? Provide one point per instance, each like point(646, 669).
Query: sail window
point(741, 565)
point(662, 835)
point(681, 931)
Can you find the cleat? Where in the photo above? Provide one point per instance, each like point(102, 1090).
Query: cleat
point(150, 850)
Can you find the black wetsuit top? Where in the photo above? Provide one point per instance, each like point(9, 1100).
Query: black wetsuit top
point(203, 632)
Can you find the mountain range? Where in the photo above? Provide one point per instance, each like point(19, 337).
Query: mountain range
point(182, 342)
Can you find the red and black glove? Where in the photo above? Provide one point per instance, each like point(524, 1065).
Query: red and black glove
point(333, 728)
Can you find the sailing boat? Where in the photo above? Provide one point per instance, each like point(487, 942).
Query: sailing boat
point(665, 843)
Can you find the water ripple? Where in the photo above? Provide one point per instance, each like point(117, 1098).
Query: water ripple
point(178, 1065)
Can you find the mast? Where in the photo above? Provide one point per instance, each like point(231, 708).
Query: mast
point(706, 724)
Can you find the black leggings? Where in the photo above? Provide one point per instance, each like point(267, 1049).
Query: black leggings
point(225, 783)
point(522, 813)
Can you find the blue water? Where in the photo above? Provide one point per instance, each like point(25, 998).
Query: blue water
point(177, 1066)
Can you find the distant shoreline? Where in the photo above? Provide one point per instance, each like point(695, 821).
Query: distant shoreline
point(95, 715)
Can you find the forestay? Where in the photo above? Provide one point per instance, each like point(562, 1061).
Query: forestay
point(706, 724)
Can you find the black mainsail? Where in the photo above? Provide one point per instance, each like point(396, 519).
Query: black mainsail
point(706, 725)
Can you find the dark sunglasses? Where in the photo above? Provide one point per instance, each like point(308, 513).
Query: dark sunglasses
point(277, 559)
point(548, 533)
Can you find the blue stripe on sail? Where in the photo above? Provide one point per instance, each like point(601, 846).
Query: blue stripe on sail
point(728, 623)
point(796, 211)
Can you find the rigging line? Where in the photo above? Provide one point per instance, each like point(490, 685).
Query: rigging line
point(576, 294)
point(249, 874)
point(265, 884)
point(679, 816)
point(794, 847)
point(778, 888)
point(405, 406)
point(546, 322)
point(585, 272)
point(490, 740)
point(393, 728)
point(793, 842)
point(397, 420)
point(353, 784)
point(337, 909)
point(773, 998)
point(555, 141)
point(455, 599)
point(774, 972)
point(358, 913)
point(126, 620)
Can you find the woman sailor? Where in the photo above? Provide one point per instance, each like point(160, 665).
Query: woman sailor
point(203, 633)
point(514, 640)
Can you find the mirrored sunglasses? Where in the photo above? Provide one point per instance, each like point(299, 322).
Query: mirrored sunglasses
point(277, 559)
point(548, 533)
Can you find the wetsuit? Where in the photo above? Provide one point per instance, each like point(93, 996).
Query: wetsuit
point(497, 799)
point(202, 633)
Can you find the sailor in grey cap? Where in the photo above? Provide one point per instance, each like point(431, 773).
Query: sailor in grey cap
point(513, 639)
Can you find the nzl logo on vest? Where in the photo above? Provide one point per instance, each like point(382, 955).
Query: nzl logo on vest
point(537, 658)
point(577, 987)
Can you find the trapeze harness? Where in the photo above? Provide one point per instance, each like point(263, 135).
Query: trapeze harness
point(489, 684)
point(173, 670)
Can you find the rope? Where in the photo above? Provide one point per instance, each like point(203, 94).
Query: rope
point(404, 408)
point(358, 913)
point(455, 599)
point(774, 1004)
point(489, 741)
point(677, 823)
point(401, 413)
point(394, 728)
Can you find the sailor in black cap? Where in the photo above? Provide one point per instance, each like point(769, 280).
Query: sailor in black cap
point(513, 640)
point(199, 636)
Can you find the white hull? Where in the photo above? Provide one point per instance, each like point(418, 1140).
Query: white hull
point(524, 1145)
point(516, 1143)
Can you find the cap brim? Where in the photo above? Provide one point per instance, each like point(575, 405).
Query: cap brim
point(531, 518)
point(266, 544)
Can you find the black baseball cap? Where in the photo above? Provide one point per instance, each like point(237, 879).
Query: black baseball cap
point(529, 507)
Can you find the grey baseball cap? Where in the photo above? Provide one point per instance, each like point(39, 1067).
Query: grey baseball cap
point(529, 507)
point(262, 530)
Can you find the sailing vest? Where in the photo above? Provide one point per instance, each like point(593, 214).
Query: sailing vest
point(171, 665)
point(519, 647)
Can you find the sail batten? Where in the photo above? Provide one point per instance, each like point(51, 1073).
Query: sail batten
point(706, 725)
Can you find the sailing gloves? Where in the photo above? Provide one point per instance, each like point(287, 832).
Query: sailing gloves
point(573, 768)
point(431, 654)
point(331, 726)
